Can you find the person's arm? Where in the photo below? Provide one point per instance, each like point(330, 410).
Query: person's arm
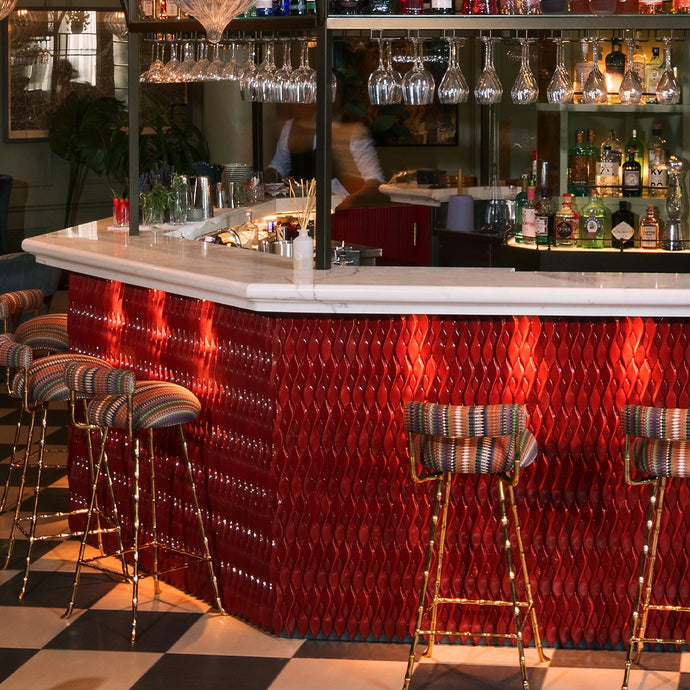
point(279, 167)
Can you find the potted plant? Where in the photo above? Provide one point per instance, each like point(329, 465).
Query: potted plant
point(78, 20)
point(155, 194)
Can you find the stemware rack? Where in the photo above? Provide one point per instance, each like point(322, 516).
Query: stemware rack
point(327, 28)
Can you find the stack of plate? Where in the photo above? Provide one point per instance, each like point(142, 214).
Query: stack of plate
point(236, 172)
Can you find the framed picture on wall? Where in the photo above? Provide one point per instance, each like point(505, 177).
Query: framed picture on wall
point(400, 124)
point(53, 53)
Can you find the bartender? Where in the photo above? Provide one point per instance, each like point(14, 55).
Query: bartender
point(356, 168)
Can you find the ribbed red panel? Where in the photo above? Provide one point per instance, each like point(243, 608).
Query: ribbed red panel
point(301, 457)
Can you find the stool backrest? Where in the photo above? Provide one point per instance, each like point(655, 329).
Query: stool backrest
point(13, 304)
point(669, 423)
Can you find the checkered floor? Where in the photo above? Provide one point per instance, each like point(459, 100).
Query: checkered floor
point(183, 643)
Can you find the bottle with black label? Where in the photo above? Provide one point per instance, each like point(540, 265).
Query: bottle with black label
point(632, 176)
point(623, 227)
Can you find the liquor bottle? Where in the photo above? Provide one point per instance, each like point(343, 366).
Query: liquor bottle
point(651, 6)
point(297, 7)
point(533, 169)
point(146, 7)
point(264, 8)
point(632, 176)
point(616, 146)
point(376, 6)
point(658, 174)
point(581, 71)
point(595, 222)
point(635, 143)
point(578, 166)
point(649, 230)
point(441, 7)
point(592, 159)
point(639, 62)
point(656, 141)
point(653, 73)
point(607, 181)
point(566, 223)
point(544, 209)
point(281, 8)
point(529, 217)
point(249, 231)
point(615, 69)
point(623, 227)
point(520, 201)
point(411, 6)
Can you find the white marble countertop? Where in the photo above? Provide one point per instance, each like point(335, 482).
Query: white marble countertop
point(263, 282)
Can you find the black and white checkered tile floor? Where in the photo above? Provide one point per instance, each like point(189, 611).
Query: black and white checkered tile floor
point(183, 643)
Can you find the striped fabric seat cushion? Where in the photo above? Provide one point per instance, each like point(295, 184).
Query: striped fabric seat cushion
point(469, 439)
point(669, 423)
point(47, 377)
point(661, 439)
point(155, 405)
point(100, 380)
point(20, 301)
point(44, 332)
point(661, 458)
point(13, 354)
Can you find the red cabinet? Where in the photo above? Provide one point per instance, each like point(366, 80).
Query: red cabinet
point(402, 232)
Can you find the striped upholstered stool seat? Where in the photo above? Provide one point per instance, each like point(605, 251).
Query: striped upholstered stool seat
point(449, 441)
point(117, 401)
point(36, 383)
point(42, 332)
point(656, 450)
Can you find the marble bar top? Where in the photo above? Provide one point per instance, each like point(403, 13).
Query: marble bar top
point(262, 282)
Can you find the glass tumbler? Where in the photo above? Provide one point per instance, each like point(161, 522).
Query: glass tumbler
point(179, 204)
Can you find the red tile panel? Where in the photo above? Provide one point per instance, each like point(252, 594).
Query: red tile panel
point(302, 467)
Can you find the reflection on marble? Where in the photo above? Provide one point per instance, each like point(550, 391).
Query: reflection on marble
point(265, 282)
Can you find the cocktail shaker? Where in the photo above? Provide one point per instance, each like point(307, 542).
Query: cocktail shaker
point(202, 202)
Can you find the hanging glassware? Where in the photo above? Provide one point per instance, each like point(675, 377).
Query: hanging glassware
point(631, 89)
point(560, 88)
point(525, 90)
point(453, 87)
point(668, 88)
point(488, 89)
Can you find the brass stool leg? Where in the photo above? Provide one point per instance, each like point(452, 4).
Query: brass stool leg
point(37, 492)
point(20, 495)
point(197, 509)
point(425, 583)
point(446, 481)
point(644, 579)
point(154, 521)
point(525, 575)
point(511, 579)
point(135, 571)
point(13, 461)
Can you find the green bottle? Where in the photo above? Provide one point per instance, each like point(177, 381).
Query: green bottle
point(638, 150)
point(595, 222)
point(520, 201)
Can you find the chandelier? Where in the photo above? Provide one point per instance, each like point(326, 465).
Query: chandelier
point(214, 15)
point(116, 24)
point(6, 6)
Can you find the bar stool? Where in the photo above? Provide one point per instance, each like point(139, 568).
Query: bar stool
point(45, 334)
point(38, 384)
point(118, 402)
point(656, 448)
point(447, 440)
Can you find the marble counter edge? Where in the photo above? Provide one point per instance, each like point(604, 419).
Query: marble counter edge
point(262, 283)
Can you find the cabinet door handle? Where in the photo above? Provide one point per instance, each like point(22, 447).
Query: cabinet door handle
point(414, 234)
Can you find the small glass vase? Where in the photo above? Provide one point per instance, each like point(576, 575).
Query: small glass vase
point(120, 211)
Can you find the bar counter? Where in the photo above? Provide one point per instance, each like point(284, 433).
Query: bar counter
point(300, 452)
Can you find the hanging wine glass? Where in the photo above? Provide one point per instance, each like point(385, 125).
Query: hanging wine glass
point(384, 84)
point(560, 88)
point(594, 89)
point(216, 67)
point(453, 87)
point(247, 90)
point(185, 70)
point(668, 88)
point(265, 75)
point(525, 90)
point(488, 89)
point(200, 72)
point(232, 70)
point(303, 79)
point(155, 72)
point(631, 89)
point(418, 84)
point(169, 75)
point(281, 81)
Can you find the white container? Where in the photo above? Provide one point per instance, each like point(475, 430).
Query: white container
point(303, 256)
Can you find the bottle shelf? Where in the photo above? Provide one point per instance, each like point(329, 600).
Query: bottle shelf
point(240, 25)
point(613, 108)
point(503, 22)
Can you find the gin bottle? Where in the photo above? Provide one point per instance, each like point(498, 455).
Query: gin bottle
point(649, 230)
point(578, 166)
point(595, 222)
point(623, 227)
point(566, 224)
